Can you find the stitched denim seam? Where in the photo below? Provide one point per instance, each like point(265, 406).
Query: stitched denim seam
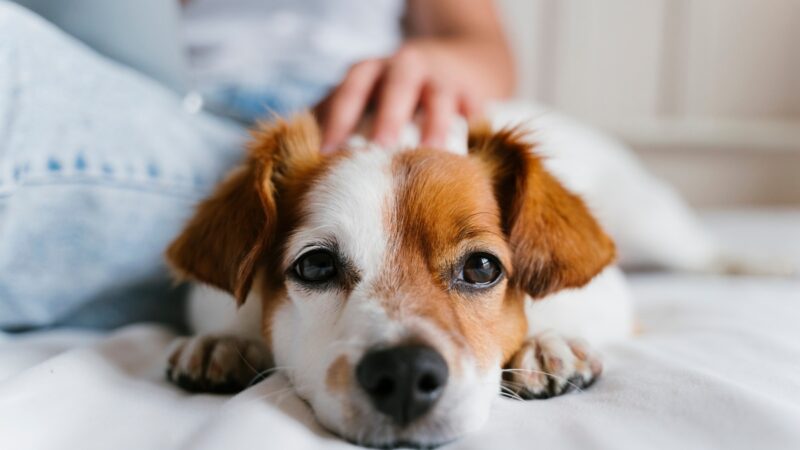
point(142, 176)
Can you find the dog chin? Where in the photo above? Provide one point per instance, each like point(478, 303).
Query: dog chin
point(465, 410)
point(402, 444)
point(422, 443)
point(421, 436)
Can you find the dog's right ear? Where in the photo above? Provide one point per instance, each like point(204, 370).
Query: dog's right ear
point(555, 240)
point(233, 229)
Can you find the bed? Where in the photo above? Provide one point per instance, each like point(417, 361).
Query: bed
point(716, 365)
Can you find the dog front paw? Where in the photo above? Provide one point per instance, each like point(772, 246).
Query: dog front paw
point(216, 363)
point(548, 365)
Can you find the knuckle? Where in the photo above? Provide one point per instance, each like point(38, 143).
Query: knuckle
point(348, 91)
point(407, 65)
point(408, 54)
point(438, 88)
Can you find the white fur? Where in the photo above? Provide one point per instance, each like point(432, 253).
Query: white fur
point(600, 312)
point(348, 205)
point(212, 311)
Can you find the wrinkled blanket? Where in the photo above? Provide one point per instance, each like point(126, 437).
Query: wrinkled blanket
point(717, 365)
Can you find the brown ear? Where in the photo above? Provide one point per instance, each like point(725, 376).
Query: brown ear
point(232, 229)
point(556, 243)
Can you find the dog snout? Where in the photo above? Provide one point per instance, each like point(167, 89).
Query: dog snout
point(403, 382)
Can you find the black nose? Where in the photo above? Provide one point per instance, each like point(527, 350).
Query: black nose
point(403, 382)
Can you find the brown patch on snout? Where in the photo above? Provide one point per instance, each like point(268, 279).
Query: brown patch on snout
point(498, 200)
point(339, 375)
point(445, 209)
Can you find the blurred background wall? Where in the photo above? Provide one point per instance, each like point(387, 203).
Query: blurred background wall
point(707, 92)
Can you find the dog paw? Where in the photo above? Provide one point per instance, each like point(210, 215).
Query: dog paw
point(216, 363)
point(548, 365)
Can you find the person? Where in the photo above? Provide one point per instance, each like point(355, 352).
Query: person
point(100, 166)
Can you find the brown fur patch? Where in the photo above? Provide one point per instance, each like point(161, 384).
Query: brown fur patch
point(222, 242)
point(338, 377)
point(556, 242)
point(444, 209)
point(499, 200)
point(236, 225)
point(241, 226)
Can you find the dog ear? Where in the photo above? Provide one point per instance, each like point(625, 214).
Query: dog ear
point(233, 229)
point(555, 241)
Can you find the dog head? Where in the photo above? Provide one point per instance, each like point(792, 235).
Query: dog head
point(393, 283)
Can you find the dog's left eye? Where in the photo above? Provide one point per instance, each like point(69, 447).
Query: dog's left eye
point(316, 267)
point(481, 269)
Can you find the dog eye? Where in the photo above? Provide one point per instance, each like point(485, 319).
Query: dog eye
point(316, 266)
point(481, 269)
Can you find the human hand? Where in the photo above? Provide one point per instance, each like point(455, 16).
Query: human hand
point(440, 78)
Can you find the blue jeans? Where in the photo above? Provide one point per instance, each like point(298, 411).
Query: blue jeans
point(99, 169)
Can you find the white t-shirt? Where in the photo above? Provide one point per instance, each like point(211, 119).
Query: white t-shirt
point(284, 54)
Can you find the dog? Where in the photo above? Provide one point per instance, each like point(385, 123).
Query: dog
point(399, 291)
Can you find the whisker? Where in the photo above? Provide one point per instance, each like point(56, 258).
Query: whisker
point(504, 390)
point(271, 394)
point(241, 355)
point(287, 390)
point(508, 393)
point(265, 373)
point(283, 397)
point(513, 384)
point(542, 372)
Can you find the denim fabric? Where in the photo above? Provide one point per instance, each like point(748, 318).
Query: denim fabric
point(99, 169)
point(246, 105)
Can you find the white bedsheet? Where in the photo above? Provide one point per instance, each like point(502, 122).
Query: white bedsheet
point(716, 366)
